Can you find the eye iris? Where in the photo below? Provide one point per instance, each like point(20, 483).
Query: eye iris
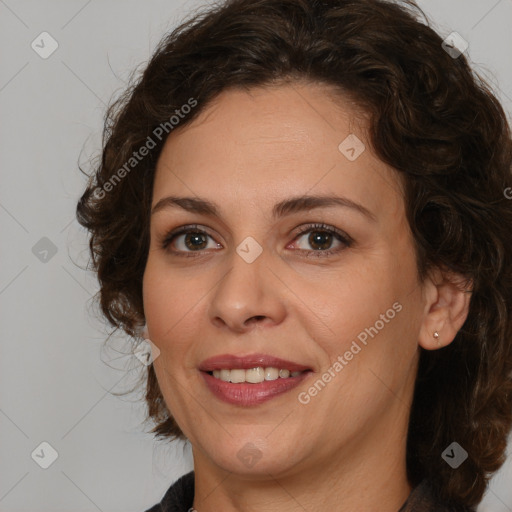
point(195, 237)
point(315, 238)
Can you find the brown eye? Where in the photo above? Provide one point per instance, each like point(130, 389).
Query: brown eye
point(321, 238)
point(195, 241)
point(188, 239)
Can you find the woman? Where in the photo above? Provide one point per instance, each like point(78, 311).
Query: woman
point(304, 203)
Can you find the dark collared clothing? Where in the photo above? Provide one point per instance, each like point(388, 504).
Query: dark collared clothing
point(180, 496)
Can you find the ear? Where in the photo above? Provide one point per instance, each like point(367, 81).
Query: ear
point(447, 297)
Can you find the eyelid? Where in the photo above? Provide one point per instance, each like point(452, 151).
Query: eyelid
point(320, 226)
point(169, 236)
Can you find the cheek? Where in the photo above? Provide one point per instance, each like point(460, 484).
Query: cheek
point(170, 303)
point(366, 312)
point(348, 300)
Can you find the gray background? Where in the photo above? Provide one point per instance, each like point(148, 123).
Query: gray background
point(56, 381)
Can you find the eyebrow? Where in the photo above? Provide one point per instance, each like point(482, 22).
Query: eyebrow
point(281, 209)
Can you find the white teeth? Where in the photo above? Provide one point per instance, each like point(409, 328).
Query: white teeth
point(271, 373)
point(237, 376)
point(254, 375)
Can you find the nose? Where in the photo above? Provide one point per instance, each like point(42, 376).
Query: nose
point(247, 296)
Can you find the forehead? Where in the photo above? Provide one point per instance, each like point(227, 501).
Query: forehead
point(274, 142)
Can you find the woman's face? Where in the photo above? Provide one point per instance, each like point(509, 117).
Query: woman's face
point(256, 284)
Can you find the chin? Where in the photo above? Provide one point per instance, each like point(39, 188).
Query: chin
point(254, 454)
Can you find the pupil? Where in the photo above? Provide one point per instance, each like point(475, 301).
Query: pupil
point(317, 240)
point(196, 237)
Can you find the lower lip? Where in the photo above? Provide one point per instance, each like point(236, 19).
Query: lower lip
point(246, 394)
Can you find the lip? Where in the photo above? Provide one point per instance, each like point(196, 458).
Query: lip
point(246, 394)
point(229, 362)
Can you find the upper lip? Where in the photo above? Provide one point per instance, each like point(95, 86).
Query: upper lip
point(230, 361)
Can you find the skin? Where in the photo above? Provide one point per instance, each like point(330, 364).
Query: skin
point(247, 151)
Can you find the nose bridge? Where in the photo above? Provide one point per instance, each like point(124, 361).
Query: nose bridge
point(247, 290)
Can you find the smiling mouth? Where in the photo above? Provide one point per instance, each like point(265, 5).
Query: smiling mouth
point(252, 379)
point(254, 375)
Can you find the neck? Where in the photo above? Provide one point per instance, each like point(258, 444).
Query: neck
point(369, 475)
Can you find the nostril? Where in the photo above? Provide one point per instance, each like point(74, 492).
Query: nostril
point(258, 317)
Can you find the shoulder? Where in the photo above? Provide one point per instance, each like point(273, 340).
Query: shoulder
point(179, 497)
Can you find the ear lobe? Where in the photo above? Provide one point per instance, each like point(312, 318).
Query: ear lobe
point(446, 309)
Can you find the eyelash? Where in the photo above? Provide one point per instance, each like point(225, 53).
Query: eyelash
point(324, 228)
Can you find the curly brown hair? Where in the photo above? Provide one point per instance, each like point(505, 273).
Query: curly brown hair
point(431, 117)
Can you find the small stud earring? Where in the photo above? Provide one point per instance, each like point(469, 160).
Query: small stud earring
point(436, 336)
